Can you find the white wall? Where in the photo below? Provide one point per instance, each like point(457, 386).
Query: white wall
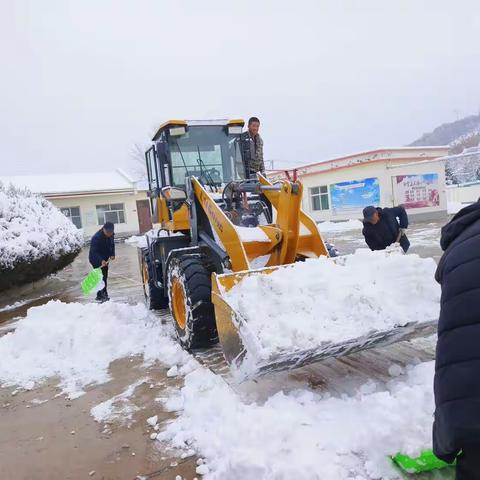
point(437, 167)
point(463, 193)
point(385, 174)
point(88, 210)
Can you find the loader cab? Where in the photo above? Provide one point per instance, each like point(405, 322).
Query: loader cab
point(209, 151)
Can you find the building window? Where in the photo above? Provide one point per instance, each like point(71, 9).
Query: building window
point(73, 213)
point(319, 198)
point(113, 212)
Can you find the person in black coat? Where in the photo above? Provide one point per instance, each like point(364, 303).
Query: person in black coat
point(457, 365)
point(102, 250)
point(384, 226)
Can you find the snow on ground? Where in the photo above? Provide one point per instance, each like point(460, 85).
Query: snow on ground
point(77, 342)
point(302, 434)
point(8, 326)
point(304, 305)
point(327, 227)
point(31, 228)
point(425, 237)
point(118, 408)
point(13, 306)
point(287, 432)
point(295, 433)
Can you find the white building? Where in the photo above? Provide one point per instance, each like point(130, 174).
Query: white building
point(339, 188)
point(91, 199)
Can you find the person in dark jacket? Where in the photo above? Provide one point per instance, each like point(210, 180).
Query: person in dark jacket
point(102, 250)
point(384, 226)
point(457, 364)
point(252, 149)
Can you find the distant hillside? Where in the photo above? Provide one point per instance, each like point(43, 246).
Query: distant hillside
point(463, 133)
point(460, 136)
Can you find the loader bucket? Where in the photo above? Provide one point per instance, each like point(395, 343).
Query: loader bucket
point(230, 322)
point(243, 351)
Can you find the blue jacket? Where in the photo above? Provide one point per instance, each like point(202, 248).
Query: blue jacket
point(385, 232)
point(101, 248)
point(457, 362)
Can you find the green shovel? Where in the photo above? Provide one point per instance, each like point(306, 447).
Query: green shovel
point(425, 462)
point(91, 281)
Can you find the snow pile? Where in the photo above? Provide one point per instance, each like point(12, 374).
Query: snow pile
point(77, 342)
point(327, 227)
point(32, 228)
point(333, 300)
point(302, 434)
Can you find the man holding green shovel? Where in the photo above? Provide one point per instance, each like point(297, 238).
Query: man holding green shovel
point(102, 250)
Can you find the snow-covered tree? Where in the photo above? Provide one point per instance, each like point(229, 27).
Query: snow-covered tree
point(35, 238)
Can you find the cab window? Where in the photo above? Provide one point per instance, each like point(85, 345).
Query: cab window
point(206, 152)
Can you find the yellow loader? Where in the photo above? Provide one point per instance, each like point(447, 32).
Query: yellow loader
point(216, 227)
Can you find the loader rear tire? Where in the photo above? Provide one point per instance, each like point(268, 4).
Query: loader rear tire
point(190, 300)
point(154, 296)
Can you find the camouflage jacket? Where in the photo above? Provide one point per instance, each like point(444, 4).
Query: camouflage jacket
point(252, 153)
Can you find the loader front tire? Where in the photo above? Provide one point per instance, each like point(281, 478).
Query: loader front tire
point(189, 294)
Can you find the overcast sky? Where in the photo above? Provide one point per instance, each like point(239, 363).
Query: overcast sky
point(83, 81)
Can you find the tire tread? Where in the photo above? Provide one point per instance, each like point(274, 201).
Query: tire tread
point(202, 329)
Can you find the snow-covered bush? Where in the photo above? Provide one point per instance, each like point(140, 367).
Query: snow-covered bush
point(36, 239)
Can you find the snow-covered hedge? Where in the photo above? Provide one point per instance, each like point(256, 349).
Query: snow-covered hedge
point(36, 239)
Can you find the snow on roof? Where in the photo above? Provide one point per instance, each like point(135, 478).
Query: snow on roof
point(142, 185)
point(367, 152)
point(57, 183)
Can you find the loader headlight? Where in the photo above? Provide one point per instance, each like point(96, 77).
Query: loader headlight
point(234, 129)
point(177, 131)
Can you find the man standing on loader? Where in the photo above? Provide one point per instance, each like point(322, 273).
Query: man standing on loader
point(384, 226)
point(252, 149)
point(102, 250)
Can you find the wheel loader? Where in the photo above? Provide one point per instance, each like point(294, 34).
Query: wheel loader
point(216, 226)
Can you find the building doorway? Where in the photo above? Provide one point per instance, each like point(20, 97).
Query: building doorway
point(144, 216)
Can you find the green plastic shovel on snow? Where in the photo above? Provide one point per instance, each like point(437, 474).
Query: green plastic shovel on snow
point(91, 281)
point(425, 462)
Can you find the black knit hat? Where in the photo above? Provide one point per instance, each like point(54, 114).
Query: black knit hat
point(109, 226)
point(368, 213)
